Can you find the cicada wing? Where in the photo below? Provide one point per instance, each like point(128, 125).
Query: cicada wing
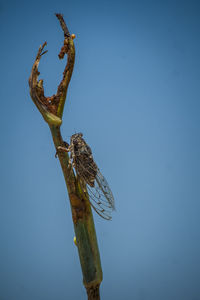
point(99, 202)
point(103, 185)
point(100, 195)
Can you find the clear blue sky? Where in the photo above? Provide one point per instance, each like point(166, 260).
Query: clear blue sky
point(135, 96)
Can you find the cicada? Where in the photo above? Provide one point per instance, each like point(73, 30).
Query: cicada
point(100, 194)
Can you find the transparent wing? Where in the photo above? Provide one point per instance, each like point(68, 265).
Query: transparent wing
point(103, 185)
point(101, 197)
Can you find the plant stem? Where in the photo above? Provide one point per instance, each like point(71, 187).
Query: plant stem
point(83, 223)
point(51, 108)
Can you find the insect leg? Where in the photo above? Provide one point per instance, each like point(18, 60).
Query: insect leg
point(66, 148)
point(70, 161)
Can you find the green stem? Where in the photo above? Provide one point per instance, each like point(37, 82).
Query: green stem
point(83, 223)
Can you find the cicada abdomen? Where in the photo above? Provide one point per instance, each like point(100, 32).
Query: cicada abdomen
point(100, 194)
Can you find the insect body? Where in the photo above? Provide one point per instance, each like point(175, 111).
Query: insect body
point(100, 195)
point(83, 162)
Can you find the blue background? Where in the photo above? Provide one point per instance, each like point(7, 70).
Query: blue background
point(135, 96)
